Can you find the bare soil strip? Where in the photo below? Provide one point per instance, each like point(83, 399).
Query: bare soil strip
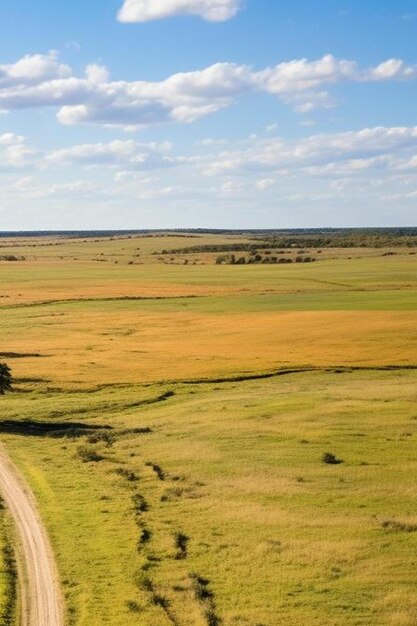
point(39, 587)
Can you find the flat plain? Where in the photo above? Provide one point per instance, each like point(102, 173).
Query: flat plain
point(171, 413)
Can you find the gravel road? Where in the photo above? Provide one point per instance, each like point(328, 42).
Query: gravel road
point(39, 587)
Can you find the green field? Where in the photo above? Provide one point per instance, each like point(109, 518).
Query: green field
point(8, 570)
point(172, 423)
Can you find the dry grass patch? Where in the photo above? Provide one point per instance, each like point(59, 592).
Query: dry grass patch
point(152, 346)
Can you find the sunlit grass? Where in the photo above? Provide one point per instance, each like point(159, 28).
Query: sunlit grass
point(274, 530)
point(210, 500)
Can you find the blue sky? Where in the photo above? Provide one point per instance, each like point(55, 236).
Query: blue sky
point(207, 113)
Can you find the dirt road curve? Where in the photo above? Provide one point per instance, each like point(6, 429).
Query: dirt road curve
point(40, 591)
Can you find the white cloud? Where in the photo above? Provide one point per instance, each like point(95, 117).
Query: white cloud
point(303, 75)
point(211, 142)
point(77, 187)
point(262, 175)
point(183, 97)
point(147, 10)
point(14, 152)
point(10, 139)
point(265, 183)
point(97, 74)
point(33, 69)
point(265, 157)
point(159, 192)
point(29, 187)
point(308, 123)
point(324, 154)
point(393, 69)
point(411, 164)
point(231, 188)
point(128, 153)
point(305, 103)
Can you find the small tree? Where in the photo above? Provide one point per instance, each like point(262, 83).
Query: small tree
point(6, 379)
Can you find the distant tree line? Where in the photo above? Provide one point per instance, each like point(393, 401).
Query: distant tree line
point(355, 238)
point(257, 259)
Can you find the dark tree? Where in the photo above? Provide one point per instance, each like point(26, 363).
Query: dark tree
point(331, 459)
point(6, 379)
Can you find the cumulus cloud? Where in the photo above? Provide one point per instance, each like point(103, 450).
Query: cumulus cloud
point(128, 153)
point(8, 139)
point(303, 75)
point(258, 164)
point(147, 10)
point(264, 156)
point(355, 168)
point(30, 187)
point(14, 152)
point(183, 97)
point(351, 151)
point(393, 69)
point(32, 70)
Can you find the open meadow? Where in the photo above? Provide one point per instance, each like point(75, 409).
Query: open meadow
point(171, 411)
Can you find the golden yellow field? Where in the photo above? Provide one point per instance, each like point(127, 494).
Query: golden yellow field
point(107, 347)
point(99, 322)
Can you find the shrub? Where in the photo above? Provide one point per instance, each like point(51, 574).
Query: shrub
point(128, 474)
point(102, 436)
point(133, 606)
point(89, 455)
point(12, 257)
point(145, 536)
point(157, 469)
point(181, 545)
point(140, 504)
point(159, 600)
point(200, 587)
point(331, 459)
point(394, 525)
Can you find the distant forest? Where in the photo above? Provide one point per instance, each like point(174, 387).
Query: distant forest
point(312, 237)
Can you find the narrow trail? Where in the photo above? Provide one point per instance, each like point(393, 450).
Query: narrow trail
point(41, 603)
